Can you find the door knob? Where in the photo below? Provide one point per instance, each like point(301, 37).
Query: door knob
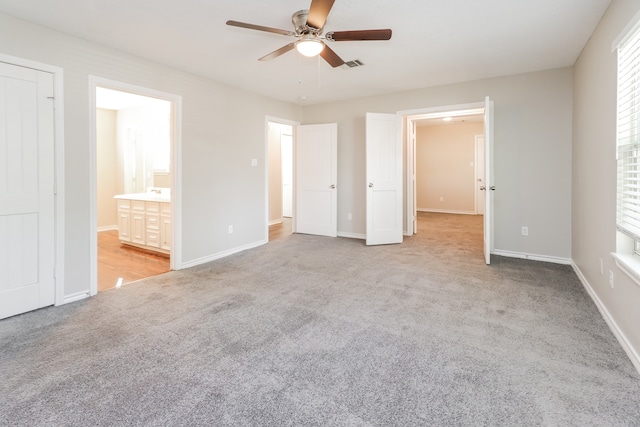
point(333, 186)
point(492, 188)
point(371, 185)
point(482, 188)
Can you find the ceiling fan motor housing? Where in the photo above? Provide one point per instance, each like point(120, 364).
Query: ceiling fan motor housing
point(299, 20)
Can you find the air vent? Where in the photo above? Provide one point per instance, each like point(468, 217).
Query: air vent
point(354, 63)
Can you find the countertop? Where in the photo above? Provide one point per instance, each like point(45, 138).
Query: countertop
point(146, 197)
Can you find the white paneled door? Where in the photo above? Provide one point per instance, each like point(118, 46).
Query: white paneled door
point(26, 190)
point(384, 178)
point(316, 179)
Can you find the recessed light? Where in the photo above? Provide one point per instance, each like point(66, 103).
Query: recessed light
point(447, 119)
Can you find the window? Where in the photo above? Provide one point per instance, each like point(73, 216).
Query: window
point(628, 138)
point(627, 255)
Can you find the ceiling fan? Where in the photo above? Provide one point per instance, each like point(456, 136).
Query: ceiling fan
point(308, 26)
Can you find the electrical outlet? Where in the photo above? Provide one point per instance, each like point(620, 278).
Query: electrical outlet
point(230, 229)
point(611, 278)
point(349, 217)
point(525, 231)
point(601, 267)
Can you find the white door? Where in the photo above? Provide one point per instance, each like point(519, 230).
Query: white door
point(384, 178)
point(26, 190)
point(316, 178)
point(488, 172)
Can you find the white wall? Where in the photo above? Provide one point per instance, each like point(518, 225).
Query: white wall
point(445, 167)
point(106, 168)
point(222, 130)
point(532, 153)
point(594, 172)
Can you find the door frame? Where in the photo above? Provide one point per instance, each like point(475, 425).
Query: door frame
point(425, 113)
point(175, 261)
point(293, 124)
point(59, 183)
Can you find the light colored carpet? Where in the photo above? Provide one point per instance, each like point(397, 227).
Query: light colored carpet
point(322, 331)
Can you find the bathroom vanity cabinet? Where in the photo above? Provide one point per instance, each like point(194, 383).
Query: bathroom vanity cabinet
point(144, 221)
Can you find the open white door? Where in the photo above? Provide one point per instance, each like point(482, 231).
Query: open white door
point(489, 186)
point(26, 190)
point(316, 179)
point(384, 178)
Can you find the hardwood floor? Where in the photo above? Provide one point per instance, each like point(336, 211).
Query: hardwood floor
point(278, 231)
point(117, 261)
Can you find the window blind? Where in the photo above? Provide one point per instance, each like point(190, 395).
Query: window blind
point(628, 135)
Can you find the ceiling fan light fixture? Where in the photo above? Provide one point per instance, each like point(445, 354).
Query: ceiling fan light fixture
point(309, 47)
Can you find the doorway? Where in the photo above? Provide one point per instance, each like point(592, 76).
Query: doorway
point(455, 150)
point(136, 144)
point(280, 179)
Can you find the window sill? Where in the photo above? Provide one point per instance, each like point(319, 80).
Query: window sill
point(629, 264)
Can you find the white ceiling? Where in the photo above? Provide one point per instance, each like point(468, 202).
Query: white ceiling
point(434, 42)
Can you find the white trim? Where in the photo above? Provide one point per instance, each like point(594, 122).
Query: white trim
point(617, 332)
point(447, 211)
point(58, 117)
point(626, 31)
point(440, 110)
point(107, 228)
point(352, 235)
point(222, 254)
point(533, 257)
point(76, 297)
point(275, 221)
point(629, 264)
point(175, 262)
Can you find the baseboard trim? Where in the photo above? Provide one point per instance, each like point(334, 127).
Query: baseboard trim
point(75, 297)
point(533, 257)
point(617, 332)
point(352, 235)
point(222, 254)
point(275, 221)
point(446, 211)
point(107, 228)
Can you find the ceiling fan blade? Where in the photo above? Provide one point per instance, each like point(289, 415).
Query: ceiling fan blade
point(318, 12)
point(331, 57)
point(276, 53)
point(344, 36)
point(260, 28)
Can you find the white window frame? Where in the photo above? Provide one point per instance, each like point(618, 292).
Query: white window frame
point(627, 255)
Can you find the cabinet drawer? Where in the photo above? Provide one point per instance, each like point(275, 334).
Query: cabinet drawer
point(165, 208)
point(153, 221)
point(137, 205)
point(153, 238)
point(153, 207)
point(124, 204)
